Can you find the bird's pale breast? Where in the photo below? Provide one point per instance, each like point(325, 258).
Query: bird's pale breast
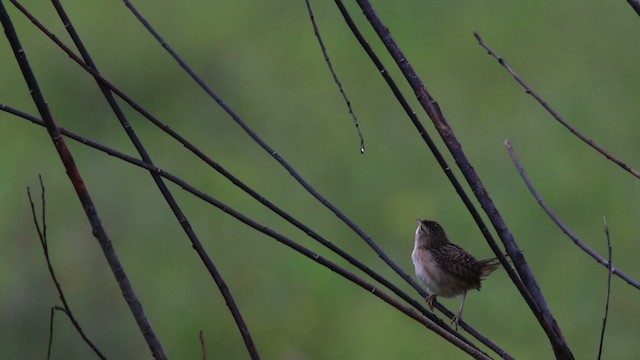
point(437, 281)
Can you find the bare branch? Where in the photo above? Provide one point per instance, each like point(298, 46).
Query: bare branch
point(166, 193)
point(606, 306)
point(581, 244)
point(335, 76)
point(553, 113)
point(76, 179)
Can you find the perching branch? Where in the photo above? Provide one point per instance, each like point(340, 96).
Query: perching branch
point(531, 291)
point(581, 244)
point(441, 161)
point(553, 113)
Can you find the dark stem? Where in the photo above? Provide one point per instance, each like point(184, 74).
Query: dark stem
point(177, 211)
point(606, 306)
point(553, 113)
point(581, 244)
point(85, 199)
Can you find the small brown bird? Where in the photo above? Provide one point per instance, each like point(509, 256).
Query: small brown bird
point(446, 268)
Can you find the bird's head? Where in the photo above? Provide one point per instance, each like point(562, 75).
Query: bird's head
point(430, 233)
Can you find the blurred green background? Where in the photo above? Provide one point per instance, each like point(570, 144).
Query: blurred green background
point(263, 60)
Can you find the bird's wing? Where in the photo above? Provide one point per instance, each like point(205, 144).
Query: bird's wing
point(457, 262)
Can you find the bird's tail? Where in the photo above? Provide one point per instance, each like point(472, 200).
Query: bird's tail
point(487, 266)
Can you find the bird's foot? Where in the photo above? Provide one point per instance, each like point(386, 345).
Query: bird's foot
point(455, 320)
point(430, 300)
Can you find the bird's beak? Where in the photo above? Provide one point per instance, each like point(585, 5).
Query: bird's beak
point(420, 220)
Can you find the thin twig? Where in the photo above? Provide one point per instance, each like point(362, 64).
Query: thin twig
point(202, 345)
point(581, 244)
point(76, 179)
point(529, 90)
point(238, 216)
point(335, 76)
point(531, 290)
point(53, 311)
point(42, 236)
point(606, 306)
point(166, 193)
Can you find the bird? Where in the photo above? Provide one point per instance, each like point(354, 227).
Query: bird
point(445, 268)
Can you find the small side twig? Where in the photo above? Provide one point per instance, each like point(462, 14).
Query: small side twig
point(606, 306)
point(599, 258)
point(529, 90)
point(316, 31)
point(53, 312)
point(42, 235)
point(202, 346)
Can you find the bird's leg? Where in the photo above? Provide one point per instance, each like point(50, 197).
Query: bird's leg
point(430, 300)
point(456, 319)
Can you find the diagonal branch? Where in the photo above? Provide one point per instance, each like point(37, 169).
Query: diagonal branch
point(553, 113)
point(83, 194)
point(581, 244)
point(177, 211)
